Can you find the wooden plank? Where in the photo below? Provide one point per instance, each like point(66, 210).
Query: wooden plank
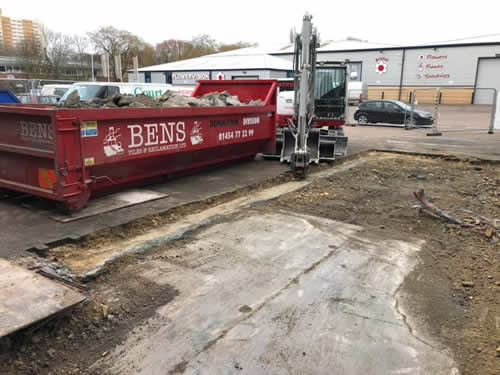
point(27, 298)
point(448, 96)
point(425, 95)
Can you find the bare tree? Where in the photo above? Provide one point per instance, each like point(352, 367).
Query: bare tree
point(170, 50)
point(201, 45)
point(30, 56)
point(116, 42)
point(80, 47)
point(233, 46)
point(7, 51)
point(58, 50)
point(173, 49)
point(147, 55)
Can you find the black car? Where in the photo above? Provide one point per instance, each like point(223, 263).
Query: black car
point(392, 112)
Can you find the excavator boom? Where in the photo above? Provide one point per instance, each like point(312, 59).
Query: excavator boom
point(314, 133)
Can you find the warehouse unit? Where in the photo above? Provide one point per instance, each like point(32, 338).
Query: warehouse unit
point(245, 63)
point(464, 70)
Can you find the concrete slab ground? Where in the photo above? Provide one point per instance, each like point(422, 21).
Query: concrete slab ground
point(464, 131)
point(467, 143)
point(280, 293)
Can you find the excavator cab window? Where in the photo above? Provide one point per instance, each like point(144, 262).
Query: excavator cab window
point(330, 91)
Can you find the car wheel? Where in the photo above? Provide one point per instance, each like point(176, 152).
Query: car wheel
point(362, 120)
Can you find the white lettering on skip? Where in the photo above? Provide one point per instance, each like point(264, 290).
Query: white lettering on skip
point(157, 134)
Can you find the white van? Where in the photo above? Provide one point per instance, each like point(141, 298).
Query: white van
point(55, 90)
point(89, 90)
point(285, 103)
point(357, 91)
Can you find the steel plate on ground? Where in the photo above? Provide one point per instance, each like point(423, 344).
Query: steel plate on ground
point(101, 205)
point(27, 298)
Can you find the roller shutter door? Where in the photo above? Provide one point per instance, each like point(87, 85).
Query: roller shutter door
point(488, 76)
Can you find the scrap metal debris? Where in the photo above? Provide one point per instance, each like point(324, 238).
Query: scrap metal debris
point(51, 270)
point(426, 206)
point(63, 280)
point(168, 99)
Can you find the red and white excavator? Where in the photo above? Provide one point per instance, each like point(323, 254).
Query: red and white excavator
point(312, 108)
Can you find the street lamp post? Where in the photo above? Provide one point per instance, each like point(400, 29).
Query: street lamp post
point(92, 66)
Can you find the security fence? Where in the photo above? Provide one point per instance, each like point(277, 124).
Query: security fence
point(29, 91)
point(439, 109)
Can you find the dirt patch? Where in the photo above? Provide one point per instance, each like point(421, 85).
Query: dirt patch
point(102, 239)
point(455, 289)
point(69, 344)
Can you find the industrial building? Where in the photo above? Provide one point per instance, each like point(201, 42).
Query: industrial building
point(245, 63)
point(464, 70)
point(14, 32)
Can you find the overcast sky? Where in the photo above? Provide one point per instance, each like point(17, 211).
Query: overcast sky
point(268, 22)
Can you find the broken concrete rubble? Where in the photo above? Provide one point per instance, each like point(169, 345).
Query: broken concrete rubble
point(125, 100)
point(146, 100)
point(73, 100)
point(168, 99)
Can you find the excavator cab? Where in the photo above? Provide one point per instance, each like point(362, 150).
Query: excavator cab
point(330, 109)
point(330, 92)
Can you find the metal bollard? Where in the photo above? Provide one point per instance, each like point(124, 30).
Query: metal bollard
point(493, 112)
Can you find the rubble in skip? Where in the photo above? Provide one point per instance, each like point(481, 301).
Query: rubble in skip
point(168, 99)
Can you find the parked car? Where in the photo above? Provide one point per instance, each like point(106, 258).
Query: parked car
point(55, 89)
point(392, 112)
point(356, 92)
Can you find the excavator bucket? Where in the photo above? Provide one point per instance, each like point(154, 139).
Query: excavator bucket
point(279, 146)
point(323, 145)
point(313, 145)
point(326, 147)
point(333, 143)
point(288, 146)
point(340, 146)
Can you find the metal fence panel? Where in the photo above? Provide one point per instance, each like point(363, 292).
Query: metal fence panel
point(29, 91)
point(442, 109)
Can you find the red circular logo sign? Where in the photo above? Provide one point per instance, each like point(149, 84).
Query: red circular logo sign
point(381, 67)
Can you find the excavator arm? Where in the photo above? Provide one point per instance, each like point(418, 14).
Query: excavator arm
point(305, 68)
point(314, 133)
